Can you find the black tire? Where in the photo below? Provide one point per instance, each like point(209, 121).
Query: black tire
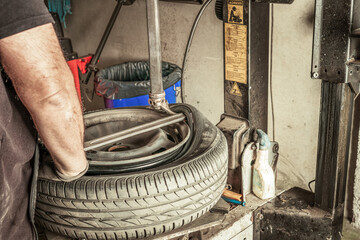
point(139, 204)
point(219, 12)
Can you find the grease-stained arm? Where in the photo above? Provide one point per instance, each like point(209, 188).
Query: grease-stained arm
point(42, 79)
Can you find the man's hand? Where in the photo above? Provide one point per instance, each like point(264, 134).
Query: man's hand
point(48, 171)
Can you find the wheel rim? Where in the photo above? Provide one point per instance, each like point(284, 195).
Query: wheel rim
point(139, 152)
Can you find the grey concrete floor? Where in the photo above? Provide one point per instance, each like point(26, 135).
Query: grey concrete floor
point(349, 232)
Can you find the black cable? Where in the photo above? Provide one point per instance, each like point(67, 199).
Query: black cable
point(309, 185)
point(191, 36)
point(271, 68)
point(33, 189)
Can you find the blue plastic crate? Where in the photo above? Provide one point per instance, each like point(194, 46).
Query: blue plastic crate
point(142, 100)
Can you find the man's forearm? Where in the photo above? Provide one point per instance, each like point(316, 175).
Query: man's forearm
point(34, 61)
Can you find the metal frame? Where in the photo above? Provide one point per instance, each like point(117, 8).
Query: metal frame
point(258, 64)
point(333, 149)
point(331, 38)
point(335, 62)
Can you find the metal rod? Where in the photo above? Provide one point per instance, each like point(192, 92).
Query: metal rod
point(146, 127)
point(153, 24)
point(103, 40)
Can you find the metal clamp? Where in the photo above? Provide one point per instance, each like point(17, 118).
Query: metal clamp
point(93, 68)
point(158, 102)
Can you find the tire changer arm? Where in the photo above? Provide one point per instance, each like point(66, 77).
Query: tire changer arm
point(157, 95)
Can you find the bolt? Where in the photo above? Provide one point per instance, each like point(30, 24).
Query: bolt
point(315, 75)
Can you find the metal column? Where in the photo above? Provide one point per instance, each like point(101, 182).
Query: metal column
point(335, 63)
point(153, 24)
point(333, 148)
point(259, 65)
point(247, 65)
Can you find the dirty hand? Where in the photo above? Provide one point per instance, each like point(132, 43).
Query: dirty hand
point(47, 170)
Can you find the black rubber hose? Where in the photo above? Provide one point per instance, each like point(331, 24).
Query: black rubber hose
point(191, 36)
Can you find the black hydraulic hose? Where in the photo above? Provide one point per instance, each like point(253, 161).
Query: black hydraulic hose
point(191, 36)
point(103, 40)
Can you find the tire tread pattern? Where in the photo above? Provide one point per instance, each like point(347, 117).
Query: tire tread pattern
point(131, 206)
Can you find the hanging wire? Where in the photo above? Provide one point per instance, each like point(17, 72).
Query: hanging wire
point(271, 68)
point(191, 36)
point(309, 185)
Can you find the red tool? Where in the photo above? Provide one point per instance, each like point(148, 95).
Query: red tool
point(79, 64)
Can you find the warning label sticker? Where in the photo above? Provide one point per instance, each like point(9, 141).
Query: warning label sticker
point(235, 14)
point(235, 11)
point(236, 53)
point(235, 90)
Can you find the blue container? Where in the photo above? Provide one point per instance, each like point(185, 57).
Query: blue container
point(143, 100)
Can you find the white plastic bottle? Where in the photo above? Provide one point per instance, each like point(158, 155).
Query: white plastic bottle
point(263, 176)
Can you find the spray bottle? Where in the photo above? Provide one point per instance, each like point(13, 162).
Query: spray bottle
point(263, 176)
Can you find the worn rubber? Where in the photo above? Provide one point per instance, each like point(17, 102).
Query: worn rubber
point(139, 204)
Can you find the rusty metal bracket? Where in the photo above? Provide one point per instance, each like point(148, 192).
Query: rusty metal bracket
point(331, 40)
point(336, 47)
point(236, 131)
point(353, 66)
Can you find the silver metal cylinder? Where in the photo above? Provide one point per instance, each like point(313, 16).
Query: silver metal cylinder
point(153, 24)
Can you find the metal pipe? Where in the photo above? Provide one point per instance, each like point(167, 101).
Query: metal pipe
point(153, 25)
point(147, 127)
point(103, 40)
point(157, 94)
